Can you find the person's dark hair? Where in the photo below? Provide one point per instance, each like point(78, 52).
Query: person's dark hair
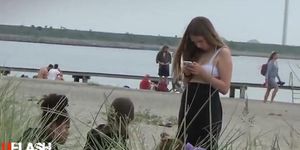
point(272, 55)
point(199, 26)
point(164, 47)
point(123, 109)
point(55, 66)
point(50, 66)
point(126, 86)
point(54, 109)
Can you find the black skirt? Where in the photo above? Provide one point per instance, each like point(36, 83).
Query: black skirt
point(164, 70)
point(197, 118)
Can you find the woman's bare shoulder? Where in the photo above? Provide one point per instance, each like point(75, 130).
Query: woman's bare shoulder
point(225, 52)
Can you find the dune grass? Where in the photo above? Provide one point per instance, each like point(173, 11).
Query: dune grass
point(16, 116)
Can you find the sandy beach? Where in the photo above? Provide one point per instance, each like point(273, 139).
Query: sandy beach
point(258, 122)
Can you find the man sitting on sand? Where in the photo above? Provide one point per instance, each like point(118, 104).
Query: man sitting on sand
point(43, 72)
point(162, 85)
point(115, 132)
point(55, 73)
point(145, 84)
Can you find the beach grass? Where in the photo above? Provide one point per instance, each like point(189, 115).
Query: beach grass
point(16, 117)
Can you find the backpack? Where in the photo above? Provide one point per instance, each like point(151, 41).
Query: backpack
point(263, 69)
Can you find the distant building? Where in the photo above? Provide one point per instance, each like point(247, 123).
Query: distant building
point(253, 41)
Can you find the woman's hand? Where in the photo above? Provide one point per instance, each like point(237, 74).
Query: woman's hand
point(197, 69)
point(266, 83)
point(161, 63)
point(186, 71)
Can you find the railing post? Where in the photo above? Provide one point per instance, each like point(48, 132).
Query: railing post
point(291, 83)
point(232, 92)
point(84, 79)
point(243, 92)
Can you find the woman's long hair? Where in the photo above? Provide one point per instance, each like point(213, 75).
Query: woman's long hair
point(199, 26)
point(272, 56)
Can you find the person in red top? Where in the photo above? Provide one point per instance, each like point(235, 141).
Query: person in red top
point(162, 85)
point(145, 83)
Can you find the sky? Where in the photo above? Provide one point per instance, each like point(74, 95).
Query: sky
point(235, 20)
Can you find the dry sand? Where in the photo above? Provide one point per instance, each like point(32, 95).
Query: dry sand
point(259, 121)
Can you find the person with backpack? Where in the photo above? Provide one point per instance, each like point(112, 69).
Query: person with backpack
point(271, 72)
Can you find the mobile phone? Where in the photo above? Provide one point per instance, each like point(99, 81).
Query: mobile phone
point(187, 63)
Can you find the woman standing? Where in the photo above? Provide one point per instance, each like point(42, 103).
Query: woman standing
point(271, 74)
point(163, 58)
point(207, 73)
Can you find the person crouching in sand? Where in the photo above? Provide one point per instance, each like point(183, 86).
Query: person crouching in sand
point(115, 132)
point(54, 123)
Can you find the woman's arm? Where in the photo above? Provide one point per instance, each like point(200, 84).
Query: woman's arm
point(277, 75)
point(269, 68)
point(158, 57)
point(224, 66)
point(169, 58)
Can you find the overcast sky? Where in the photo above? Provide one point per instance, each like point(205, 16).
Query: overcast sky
point(236, 20)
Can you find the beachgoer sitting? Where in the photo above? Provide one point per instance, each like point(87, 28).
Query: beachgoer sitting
point(4, 72)
point(162, 85)
point(126, 86)
point(43, 72)
point(54, 124)
point(145, 84)
point(115, 132)
point(24, 76)
point(55, 73)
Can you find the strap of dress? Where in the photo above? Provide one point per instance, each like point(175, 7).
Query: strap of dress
point(214, 56)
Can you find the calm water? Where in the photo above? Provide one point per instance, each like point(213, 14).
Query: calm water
point(125, 61)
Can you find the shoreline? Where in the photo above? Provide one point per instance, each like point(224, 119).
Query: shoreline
point(126, 45)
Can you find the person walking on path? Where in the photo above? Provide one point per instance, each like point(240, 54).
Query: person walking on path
point(207, 70)
point(271, 74)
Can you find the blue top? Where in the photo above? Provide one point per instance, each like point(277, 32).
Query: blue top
point(272, 70)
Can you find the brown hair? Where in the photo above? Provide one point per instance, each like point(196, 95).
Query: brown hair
point(164, 47)
point(272, 55)
point(53, 107)
point(199, 26)
point(123, 109)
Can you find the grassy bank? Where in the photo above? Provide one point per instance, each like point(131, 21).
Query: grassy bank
point(128, 40)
